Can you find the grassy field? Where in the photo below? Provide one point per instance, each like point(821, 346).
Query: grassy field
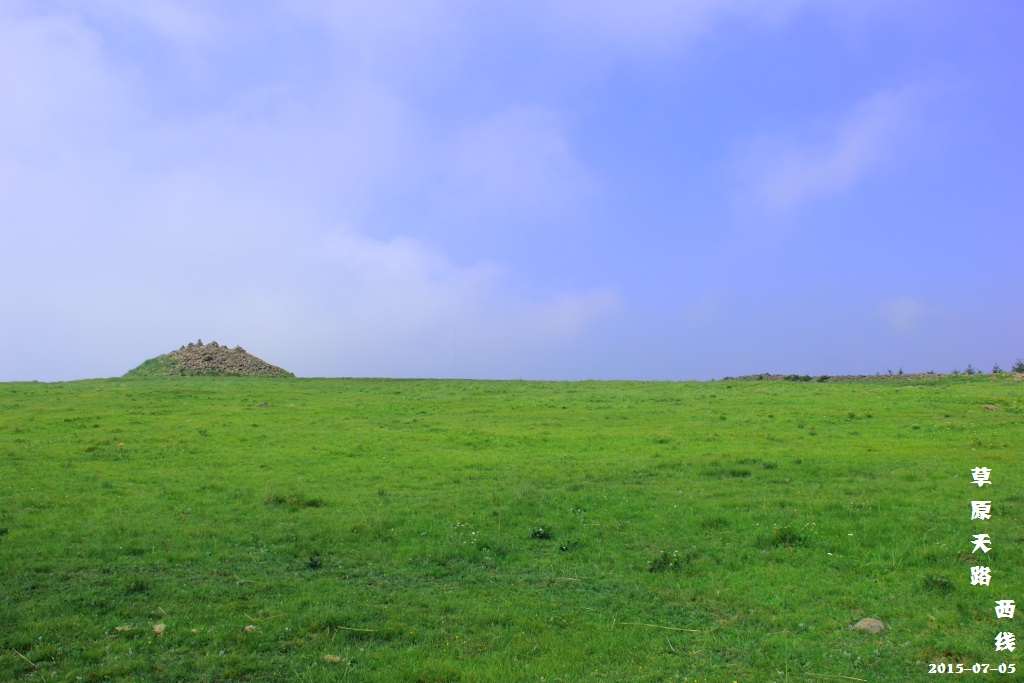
point(229, 529)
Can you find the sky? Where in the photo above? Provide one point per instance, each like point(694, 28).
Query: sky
point(549, 190)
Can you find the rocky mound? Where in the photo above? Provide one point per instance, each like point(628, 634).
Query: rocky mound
point(208, 359)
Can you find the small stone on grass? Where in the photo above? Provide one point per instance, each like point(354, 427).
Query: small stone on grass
point(869, 625)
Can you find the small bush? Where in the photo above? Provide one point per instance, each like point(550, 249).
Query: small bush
point(665, 562)
point(970, 370)
point(438, 672)
point(996, 370)
point(784, 537)
point(1018, 366)
point(939, 584)
point(714, 523)
point(294, 501)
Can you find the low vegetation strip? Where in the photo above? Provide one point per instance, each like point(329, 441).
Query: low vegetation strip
point(262, 529)
point(1017, 375)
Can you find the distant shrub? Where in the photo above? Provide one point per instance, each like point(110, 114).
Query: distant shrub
point(798, 378)
point(1018, 366)
point(996, 369)
point(821, 378)
point(970, 370)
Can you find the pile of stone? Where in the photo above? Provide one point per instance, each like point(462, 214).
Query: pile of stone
point(213, 359)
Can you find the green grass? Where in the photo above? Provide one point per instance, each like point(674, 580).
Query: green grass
point(423, 530)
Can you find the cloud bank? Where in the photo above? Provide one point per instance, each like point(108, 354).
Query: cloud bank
point(788, 174)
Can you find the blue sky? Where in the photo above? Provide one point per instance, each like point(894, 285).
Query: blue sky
point(543, 190)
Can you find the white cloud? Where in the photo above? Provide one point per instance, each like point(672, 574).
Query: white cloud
point(54, 85)
point(407, 43)
point(657, 26)
point(903, 314)
point(519, 158)
point(181, 23)
point(706, 309)
point(787, 174)
point(409, 302)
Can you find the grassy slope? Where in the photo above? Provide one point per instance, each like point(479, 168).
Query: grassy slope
point(774, 515)
point(160, 366)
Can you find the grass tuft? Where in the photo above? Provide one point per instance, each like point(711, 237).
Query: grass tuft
point(938, 584)
point(294, 501)
point(784, 537)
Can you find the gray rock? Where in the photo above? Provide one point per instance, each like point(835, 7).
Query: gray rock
point(869, 625)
